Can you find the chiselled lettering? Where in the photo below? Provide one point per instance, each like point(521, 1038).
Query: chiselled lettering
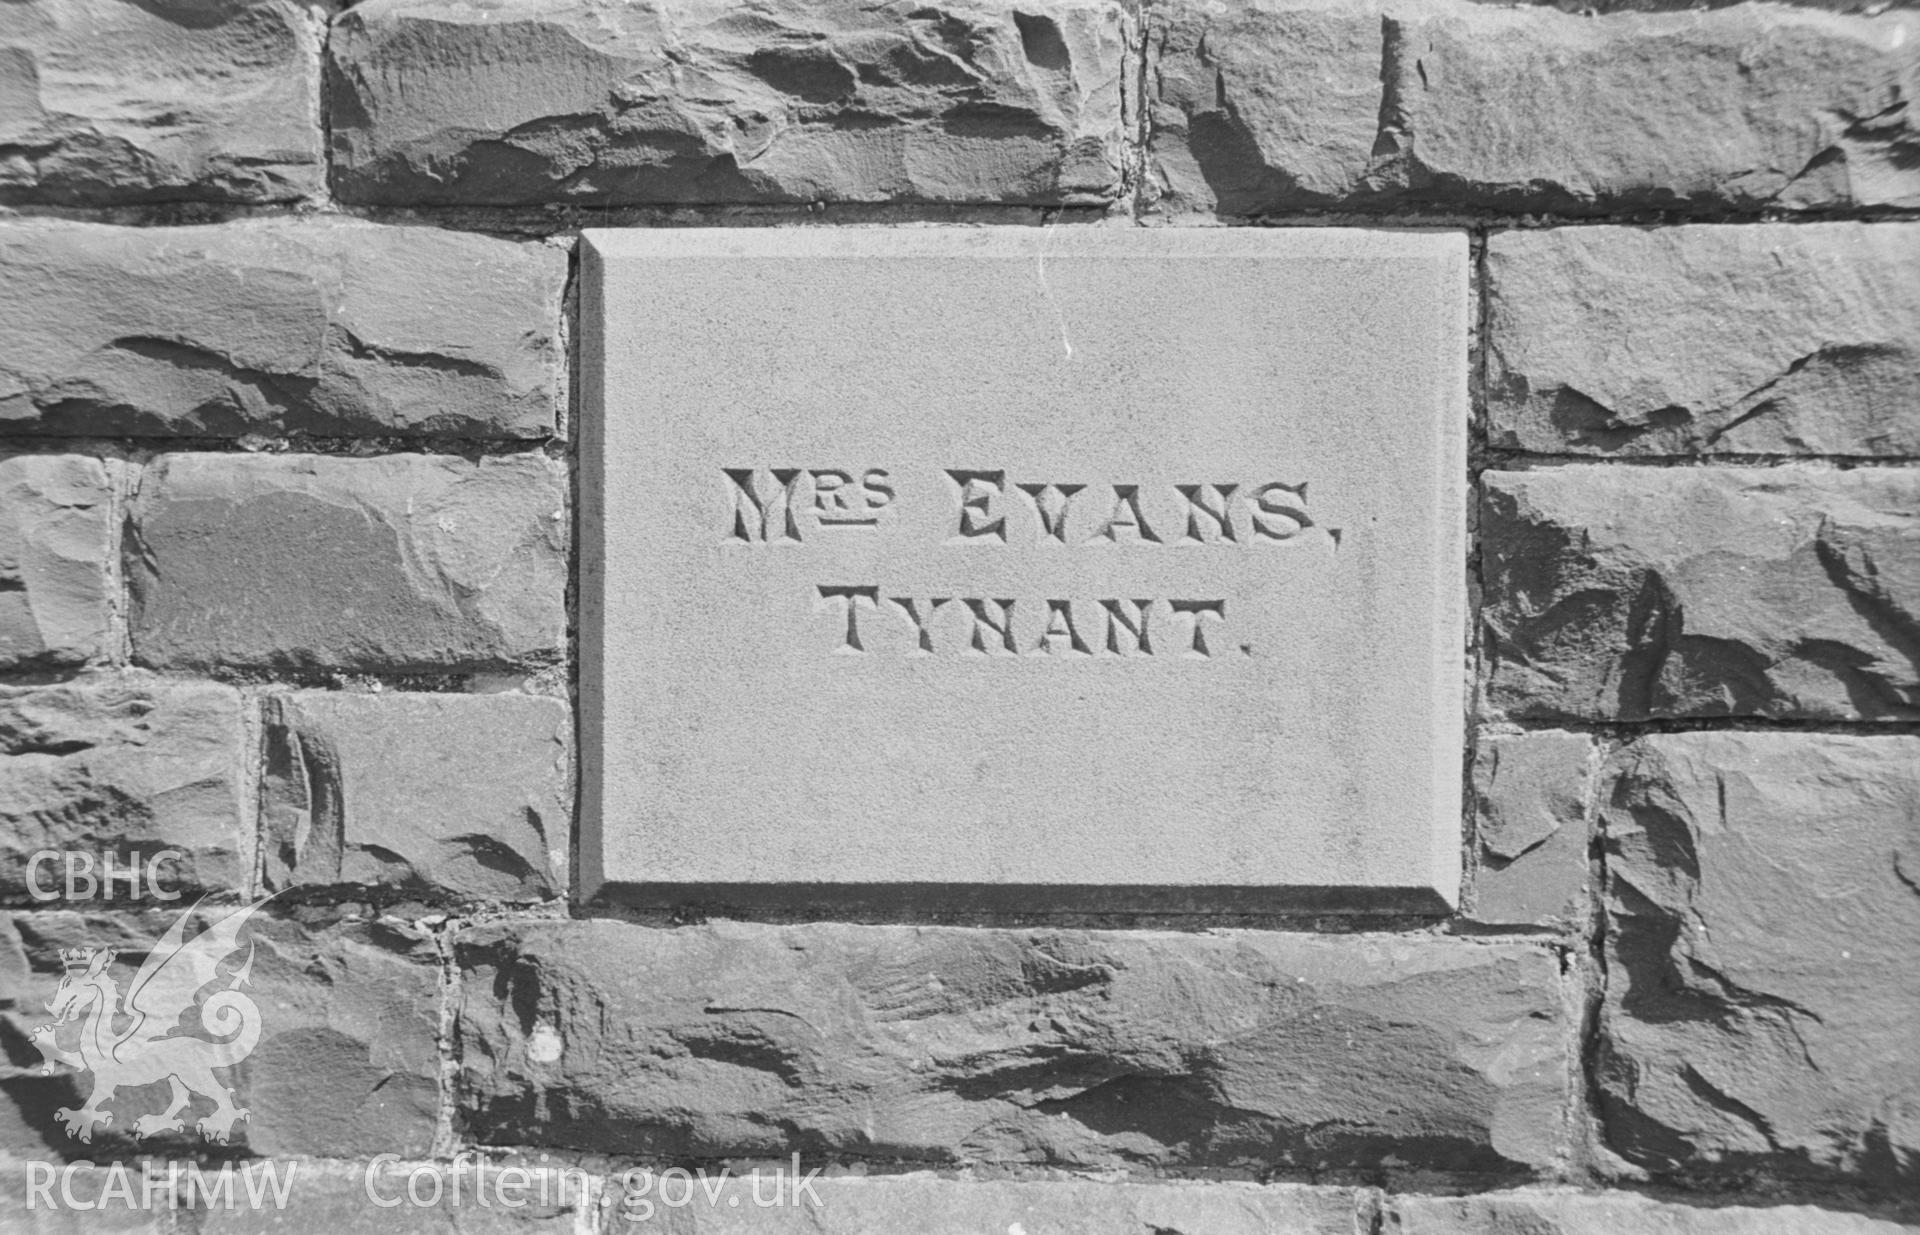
point(1008, 518)
point(756, 518)
point(851, 599)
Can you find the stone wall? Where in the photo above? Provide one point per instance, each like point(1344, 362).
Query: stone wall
point(285, 447)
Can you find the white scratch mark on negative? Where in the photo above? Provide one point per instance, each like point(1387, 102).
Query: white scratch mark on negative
point(1040, 269)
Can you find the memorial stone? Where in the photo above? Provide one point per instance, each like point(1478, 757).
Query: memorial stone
point(1029, 569)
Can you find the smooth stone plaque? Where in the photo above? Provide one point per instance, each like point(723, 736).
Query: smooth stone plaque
point(1023, 569)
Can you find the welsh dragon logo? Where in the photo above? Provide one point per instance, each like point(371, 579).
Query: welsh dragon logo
point(142, 1039)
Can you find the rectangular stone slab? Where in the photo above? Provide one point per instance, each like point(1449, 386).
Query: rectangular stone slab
point(817, 464)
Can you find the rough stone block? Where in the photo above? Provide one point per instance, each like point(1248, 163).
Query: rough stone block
point(1746, 108)
point(56, 531)
point(1279, 105)
point(391, 564)
point(462, 796)
point(346, 1063)
point(333, 328)
point(109, 101)
point(1532, 790)
point(885, 1205)
point(458, 102)
point(1761, 929)
point(1769, 339)
point(125, 766)
point(1242, 1050)
point(1551, 1212)
point(1626, 593)
point(1267, 105)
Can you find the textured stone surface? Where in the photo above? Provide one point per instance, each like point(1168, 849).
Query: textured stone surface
point(125, 766)
point(1291, 104)
point(464, 796)
point(1683, 340)
point(1626, 593)
point(106, 101)
point(1532, 791)
point(333, 1197)
point(396, 563)
point(1263, 106)
point(1544, 1212)
point(1665, 6)
point(1762, 924)
point(1742, 108)
point(346, 1064)
point(934, 1206)
point(1299, 745)
point(452, 101)
point(330, 327)
point(1244, 1050)
point(56, 528)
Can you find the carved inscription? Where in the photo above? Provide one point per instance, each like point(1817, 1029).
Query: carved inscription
point(1008, 626)
point(772, 506)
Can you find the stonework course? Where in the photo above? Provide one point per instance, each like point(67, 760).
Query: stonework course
point(401, 563)
point(333, 328)
point(588, 606)
point(1279, 105)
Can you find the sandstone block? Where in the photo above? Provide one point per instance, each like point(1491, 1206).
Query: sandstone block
point(457, 102)
point(1278, 105)
point(1744, 108)
point(127, 767)
point(885, 1205)
point(391, 564)
point(109, 101)
point(1627, 593)
point(1268, 105)
point(334, 328)
point(56, 515)
point(1761, 926)
point(949, 1046)
point(1532, 791)
point(1541, 1211)
point(1706, 339)
point(346, 1064)
point(463, 796)
point(1308, 387)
